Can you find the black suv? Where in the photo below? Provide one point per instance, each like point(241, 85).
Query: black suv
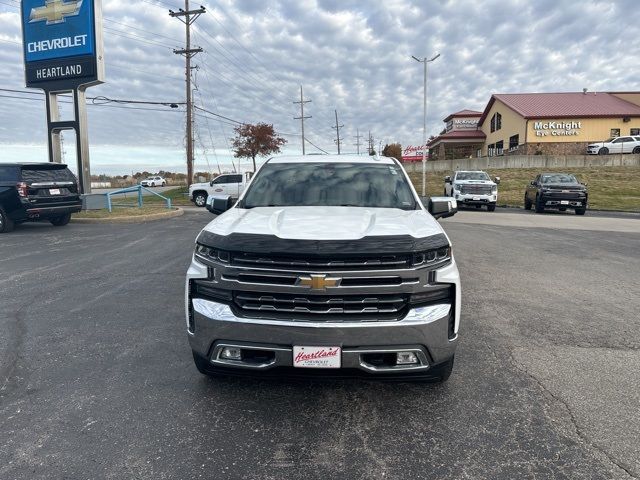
point(556, 190)
point(37, 191)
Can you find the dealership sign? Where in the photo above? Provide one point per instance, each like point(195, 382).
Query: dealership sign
point(557, 129)
point(62, 43)
point(414, 154)
point(462, 123)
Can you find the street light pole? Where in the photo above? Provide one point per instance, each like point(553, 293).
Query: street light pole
point(424, 123)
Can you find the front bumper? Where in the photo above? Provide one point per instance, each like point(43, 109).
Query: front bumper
point(471, 199)
point(430, 332)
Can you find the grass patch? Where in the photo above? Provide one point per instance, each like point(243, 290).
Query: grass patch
point(122, 212)
point(610, 188)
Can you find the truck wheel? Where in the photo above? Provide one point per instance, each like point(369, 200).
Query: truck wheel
point(445, 193)
point(636, 150)
point(200, 199)
point(491, 208)
point(581, 211)
point(539, 205)
point(603, 151)
point(6, 224)
point(527, 203)
point(444, 371)
point(201, 363)
point(60, 221)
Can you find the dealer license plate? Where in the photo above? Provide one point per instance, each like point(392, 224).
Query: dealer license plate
point(564, 202)
point(317, 357)
point(54, 191)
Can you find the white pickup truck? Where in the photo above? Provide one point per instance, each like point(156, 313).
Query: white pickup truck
point(473, 188)
point(328, 265)
point(232, 184)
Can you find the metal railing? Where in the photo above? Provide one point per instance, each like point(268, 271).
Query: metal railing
point(137, 189)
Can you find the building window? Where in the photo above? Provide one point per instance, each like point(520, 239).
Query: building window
point(634, 131)
point(490, 150)
point(514, 142)
point(499, 147)
point(496, 122)
point(479, 153)
point(615, 132)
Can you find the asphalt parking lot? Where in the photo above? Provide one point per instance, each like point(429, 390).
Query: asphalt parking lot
point(97, 381)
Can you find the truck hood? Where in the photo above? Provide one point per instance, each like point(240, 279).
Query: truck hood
point(325, 223)
point(198, 185)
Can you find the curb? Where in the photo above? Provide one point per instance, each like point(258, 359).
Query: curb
point(178, 212)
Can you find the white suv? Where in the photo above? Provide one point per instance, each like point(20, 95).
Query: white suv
point(473, 188)
point(156, 181)
point(615, 145)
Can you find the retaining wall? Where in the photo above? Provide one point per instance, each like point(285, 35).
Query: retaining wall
point(527, 161)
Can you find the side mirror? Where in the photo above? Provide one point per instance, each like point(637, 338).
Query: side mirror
point(219, 205)
point(442, 207)
point(585, 184)
point(497, 180)
point(211, 183)
point(447, 179)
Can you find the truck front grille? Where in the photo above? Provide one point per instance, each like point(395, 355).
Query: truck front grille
point(476, 189)
point(336, 262)
point(322, 307)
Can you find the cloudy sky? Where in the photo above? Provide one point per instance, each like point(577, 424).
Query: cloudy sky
point(350, 56)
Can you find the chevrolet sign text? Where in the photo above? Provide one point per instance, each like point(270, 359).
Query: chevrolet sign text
point(57, 44)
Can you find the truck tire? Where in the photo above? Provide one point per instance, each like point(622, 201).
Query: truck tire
point(636, 150)
point(581, 211)
point(200, 199)
point(539, 205)
point(60, 221)
point(527, 203)
point(6, 224)
point(201, 363)
point(491, 208)
point(443, 371)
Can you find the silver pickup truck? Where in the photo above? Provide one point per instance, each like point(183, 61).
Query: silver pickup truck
point(327, 265)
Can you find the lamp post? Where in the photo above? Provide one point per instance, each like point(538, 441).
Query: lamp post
point(424, 123)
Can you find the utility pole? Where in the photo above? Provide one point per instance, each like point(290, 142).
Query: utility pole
point(371, 143)
point(187, 17)
point(337, 128)
point(358, 137)
point(424, 123)
point(302, 117)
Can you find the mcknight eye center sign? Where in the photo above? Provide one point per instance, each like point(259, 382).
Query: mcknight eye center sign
point(62, 43)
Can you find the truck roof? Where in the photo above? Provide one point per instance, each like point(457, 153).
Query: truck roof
point(333, 159)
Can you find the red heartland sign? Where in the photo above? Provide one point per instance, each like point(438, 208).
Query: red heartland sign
point(413, 154)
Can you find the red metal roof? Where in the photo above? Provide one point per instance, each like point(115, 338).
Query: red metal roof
point(463, 113)
point(564, 105)
point(478, 135)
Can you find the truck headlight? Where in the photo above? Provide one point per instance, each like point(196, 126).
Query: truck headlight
point(494, 189)
point(432, 257)
point(212, 254)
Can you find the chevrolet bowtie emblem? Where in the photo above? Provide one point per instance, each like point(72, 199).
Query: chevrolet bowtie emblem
point(318, 282)
point(55, 11)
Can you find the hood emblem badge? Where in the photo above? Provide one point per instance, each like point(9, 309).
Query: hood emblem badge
point(318, 282)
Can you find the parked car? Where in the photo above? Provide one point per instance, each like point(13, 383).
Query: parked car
point(229, 184)
point(331, 263)
point(615, 145)
point(156, 181)
point(37, 191)
point(472, 188)
point(558, 191)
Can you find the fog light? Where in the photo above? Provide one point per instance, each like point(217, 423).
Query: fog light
point(406, 358)
point(231, 353)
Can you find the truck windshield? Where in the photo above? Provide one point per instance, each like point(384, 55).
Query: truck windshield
point(472, 176)
point(559, 178)
point(330, 185)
